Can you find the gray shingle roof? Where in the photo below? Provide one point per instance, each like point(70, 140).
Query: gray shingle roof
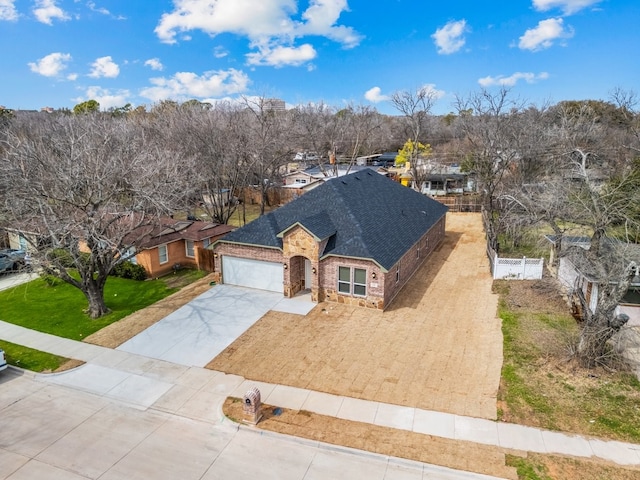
point(364, 215)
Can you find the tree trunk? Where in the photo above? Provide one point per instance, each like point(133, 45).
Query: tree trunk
point(592, 348)
point(94, 293)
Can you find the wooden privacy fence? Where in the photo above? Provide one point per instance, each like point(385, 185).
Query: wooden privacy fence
point(205, 259)
point(461, 203)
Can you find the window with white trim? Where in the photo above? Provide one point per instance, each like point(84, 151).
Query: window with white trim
point(163, 254)
point(397, 274)
point(206, 242)
point(352, 281)
point(190, 248)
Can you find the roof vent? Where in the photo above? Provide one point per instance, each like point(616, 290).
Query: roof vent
point(357, 178)
point(343, 182)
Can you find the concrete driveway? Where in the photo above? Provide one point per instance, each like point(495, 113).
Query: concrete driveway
point(197, 332)
point(10, 279)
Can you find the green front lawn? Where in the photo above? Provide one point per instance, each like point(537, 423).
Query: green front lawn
point(30, 359)
point(58, 308)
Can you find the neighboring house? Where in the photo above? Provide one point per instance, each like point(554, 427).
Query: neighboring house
point(574, 277)
point(175, 244)
point(357, 239)
point(329, 171)
point(436, 184)
point(298, 179)
point(27, 242)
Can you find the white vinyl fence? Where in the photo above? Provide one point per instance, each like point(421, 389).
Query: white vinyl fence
point(515, 268)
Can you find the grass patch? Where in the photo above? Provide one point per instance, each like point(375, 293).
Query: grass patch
point(528, 469)
point(553, 467)
point(58, 308)
point(251, 213)
point(542, 386)
point(30, 359)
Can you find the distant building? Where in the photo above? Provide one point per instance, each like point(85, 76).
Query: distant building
point(274, 104)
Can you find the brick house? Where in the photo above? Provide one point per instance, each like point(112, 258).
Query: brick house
point(356, 239)
point(176, 243)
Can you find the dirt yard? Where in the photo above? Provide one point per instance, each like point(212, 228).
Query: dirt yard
point(437, 347)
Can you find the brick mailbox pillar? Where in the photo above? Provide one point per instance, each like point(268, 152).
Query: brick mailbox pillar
point(252, 406)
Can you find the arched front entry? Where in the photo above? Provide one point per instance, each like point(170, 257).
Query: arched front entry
point(300, 276)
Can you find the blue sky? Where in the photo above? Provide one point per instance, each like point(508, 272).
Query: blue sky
point(59, 53)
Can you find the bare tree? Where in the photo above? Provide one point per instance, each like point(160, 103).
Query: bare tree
point(416, 109)
point(87, 185)
point(208, 137)
point(586, 188)
point(489, 124)
point(268, 130)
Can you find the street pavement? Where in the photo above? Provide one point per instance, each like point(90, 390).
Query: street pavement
point(126, 414)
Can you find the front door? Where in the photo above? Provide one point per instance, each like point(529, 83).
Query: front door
point(307, 274)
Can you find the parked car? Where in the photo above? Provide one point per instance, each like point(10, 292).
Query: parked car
point(12, 259)
point(3, 362)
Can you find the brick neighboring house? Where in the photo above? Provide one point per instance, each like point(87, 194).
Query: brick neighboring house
point(356, 239)
point(176, 243)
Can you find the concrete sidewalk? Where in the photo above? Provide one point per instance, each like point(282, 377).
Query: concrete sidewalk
point(89, 437)
point(199, 393)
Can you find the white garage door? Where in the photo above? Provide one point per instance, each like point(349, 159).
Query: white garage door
point(246, 272)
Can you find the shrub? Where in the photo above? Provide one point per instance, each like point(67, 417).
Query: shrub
point(129, 270)
point(60, 257)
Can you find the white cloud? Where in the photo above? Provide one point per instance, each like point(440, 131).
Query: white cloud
point(269, 25)
point(280, 56)
point(104, 67)
point(154, 64)
point(106, 98)
point(51, 65)
point(94, 8)
point(374, 95)
point(220, 52)
point(450, 38)
point(187, 85)
point(321, 17)
point(47, 10)
point(544, 34)
point(243, 17)
point(8, 10)
point(568, 7)
point(511, 80)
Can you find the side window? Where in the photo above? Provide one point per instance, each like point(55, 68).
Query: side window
point(344, 279)
point(190, 248)
point(352, 281)
point(163, 254)
point(360, 282)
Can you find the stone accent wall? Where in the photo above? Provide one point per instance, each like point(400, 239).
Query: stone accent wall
point(294, 277)
point(298, 241)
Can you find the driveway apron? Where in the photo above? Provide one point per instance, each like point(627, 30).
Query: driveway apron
point(197, 332)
